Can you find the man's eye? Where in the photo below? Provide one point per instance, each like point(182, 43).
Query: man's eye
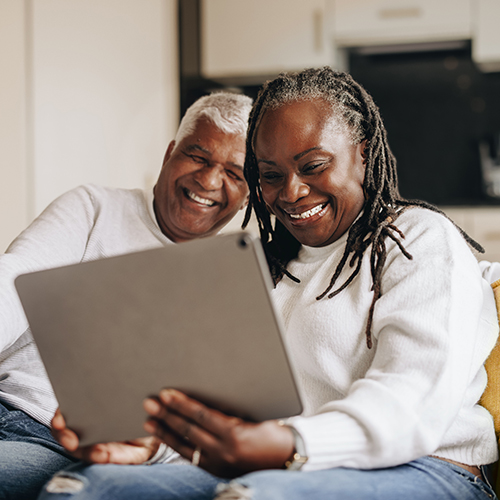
point(198, 159)
point(195, 158)
point(234, 175)
point(312, 167)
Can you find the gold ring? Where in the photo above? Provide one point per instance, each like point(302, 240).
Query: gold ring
point(196, 456)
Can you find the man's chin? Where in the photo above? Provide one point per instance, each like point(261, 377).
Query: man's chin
point(193, 231)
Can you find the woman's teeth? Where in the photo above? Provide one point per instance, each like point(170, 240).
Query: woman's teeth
point(203, 201)
point(308, 213)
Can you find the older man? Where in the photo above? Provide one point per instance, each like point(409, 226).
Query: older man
point(200, 188)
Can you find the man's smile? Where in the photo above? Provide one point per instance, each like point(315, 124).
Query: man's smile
point(199, 199)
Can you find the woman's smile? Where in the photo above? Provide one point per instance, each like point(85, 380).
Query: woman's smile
point(317, 210)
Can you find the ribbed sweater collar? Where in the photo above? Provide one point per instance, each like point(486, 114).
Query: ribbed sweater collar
point(313, 254)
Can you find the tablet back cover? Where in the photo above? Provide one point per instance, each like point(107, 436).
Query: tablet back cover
point(195, 316)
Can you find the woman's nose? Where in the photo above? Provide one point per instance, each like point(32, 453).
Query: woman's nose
point(294, 189)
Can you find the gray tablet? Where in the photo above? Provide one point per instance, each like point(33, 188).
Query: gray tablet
point(195, 316)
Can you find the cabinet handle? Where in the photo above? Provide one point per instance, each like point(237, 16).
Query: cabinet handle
point(400, 13)
point(318, 30)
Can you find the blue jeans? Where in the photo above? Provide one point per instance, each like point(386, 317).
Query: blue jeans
point(29, 455)
point(423, 479)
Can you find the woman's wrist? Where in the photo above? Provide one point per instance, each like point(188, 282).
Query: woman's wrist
point(298, 457)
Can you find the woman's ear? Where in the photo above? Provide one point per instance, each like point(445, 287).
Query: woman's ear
point(364, 154)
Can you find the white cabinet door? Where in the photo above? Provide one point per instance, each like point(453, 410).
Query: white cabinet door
point(104, 93)
point(263, 37)
point(368, 22)
point(486, 41)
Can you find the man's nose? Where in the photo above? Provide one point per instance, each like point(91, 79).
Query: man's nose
point(210, 177)
point(294, 189)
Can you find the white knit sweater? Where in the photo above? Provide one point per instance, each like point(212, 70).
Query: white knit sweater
point(415, 392)
point(87, 223)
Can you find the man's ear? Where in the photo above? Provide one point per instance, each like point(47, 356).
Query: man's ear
point(168, 153)
point(245, 203)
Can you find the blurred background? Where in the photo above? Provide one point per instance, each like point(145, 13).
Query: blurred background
point(92, 90)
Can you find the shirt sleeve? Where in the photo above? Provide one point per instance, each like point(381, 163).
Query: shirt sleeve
point(57, 237)
point(433, 326)
point(490, 270)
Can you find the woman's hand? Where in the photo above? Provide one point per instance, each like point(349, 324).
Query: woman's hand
point(128, 452)
point(229, 446)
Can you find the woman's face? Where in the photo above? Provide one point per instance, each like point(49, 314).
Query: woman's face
point(310, 174)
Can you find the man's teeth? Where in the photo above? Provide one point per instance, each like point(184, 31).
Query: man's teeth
point(308, 213)
point(198, 199)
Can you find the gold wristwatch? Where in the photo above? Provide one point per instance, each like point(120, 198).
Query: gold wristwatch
point(299, 457)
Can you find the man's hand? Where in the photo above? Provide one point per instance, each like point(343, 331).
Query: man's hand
point(128, 452)
point(228, 446)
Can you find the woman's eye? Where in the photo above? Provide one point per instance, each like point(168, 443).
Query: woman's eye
point(234, 175)
point(270, 176)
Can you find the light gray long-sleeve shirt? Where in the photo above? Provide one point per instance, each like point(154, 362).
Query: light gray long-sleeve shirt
point(87, 223)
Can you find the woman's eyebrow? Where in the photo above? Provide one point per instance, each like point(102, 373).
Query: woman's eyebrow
point(295, 158)
point(267, 162)
point(300, 155)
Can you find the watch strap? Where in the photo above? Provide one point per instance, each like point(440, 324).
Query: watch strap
point(299, 457)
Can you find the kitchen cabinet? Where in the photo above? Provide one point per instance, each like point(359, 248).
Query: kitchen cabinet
point(486, 39)
point(481, 224)
point(365, 22)
point(263, 37)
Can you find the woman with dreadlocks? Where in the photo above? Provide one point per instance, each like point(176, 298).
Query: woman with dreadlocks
point(387, 320)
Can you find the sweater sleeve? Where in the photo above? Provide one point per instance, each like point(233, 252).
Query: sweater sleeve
point(57, 237)
point(433, 326)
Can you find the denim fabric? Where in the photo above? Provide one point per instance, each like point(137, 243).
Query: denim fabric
point(29, 455)
point(423, 479)
point(134, 482)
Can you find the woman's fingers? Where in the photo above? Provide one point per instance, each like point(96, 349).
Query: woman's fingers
point(228, 446)
point(212, 420)
point(170, 438)
point(177, 430)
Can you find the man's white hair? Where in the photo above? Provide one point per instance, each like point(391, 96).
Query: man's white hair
point(227, 111)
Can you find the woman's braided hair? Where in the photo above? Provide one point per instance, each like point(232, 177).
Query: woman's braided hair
point(357, 112)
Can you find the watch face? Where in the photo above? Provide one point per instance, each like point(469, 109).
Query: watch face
point(297, 462)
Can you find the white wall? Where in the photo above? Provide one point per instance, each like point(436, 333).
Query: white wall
point(100, 93)
point(13, 168)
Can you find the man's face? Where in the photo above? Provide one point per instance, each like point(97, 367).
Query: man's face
point(201, 185)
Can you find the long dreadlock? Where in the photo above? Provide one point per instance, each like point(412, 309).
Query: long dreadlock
point(361, 118)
